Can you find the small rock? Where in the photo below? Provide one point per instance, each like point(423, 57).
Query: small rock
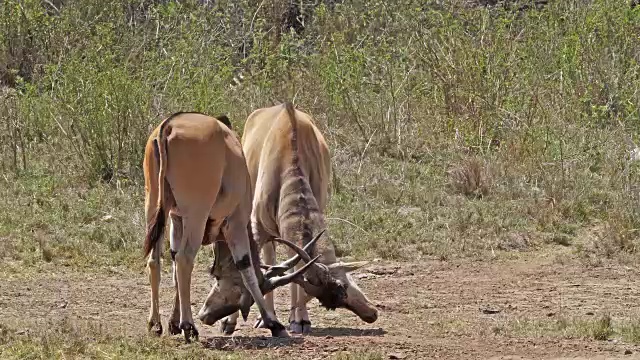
point(381, 270)
point(628, 352)
point(107, 218)
point(63, 305)
point(490, 311)
point(550, 314)
point(364, 276)
point(397, 355)
point(590, 313)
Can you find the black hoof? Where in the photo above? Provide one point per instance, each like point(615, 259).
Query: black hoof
point(154, 327)
point(302, 327)
point(306, 327)
point(174, 328)
point(277, 329)
point(190, 332)
point(227, 327)
point(295, 327)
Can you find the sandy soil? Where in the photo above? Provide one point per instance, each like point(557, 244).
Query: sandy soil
point(451, 310)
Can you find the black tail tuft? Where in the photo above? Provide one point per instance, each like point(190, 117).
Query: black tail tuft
point(154, 231)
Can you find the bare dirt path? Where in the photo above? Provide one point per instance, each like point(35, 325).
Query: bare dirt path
point(453, 310)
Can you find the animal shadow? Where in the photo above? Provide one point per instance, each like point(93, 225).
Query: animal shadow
point(230, 343)
point(342, 331)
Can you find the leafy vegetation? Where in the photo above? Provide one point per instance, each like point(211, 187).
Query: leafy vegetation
point(456, 130)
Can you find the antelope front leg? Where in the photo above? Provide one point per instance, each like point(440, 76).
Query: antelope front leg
point(294, 325)
point(269, 256)
point(302, 322)
point(299, 317)
point(239, 246)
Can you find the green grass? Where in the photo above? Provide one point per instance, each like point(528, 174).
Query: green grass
point(455, 131)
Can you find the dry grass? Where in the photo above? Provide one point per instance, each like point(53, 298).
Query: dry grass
point(470, 178)
point(601, 328)
point(66, 339)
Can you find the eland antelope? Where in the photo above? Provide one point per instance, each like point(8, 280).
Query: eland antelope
point(196, 175)
point(289, 166)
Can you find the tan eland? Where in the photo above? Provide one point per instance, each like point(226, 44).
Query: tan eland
point(289, 165)
point(196, 175)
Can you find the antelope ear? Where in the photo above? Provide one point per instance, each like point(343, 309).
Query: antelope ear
point(349, 266)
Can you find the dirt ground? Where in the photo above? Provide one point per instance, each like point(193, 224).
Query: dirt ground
point(451, 310)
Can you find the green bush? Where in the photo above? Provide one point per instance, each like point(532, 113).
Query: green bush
point(404, 91)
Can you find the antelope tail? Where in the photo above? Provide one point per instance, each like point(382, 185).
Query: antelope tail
point(156, 227)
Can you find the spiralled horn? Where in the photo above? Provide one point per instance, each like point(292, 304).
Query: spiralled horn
point(271, 284)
